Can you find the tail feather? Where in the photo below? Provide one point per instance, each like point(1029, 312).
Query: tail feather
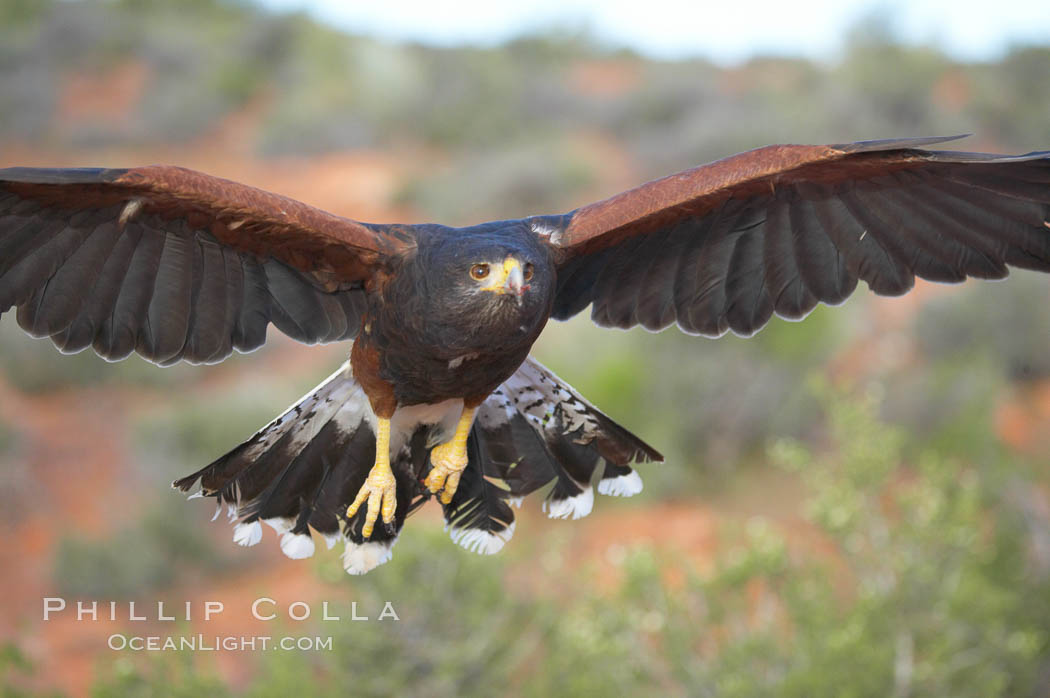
point(478, 517)
point(301, 479)
point(300, 472)
point(535, 431)
point(338, 477)
point(271, 449)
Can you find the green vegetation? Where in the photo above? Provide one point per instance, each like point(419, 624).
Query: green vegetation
point(999, 321)
point(164, 546)
point(919, 579)
point(16, 672)
point(35, 365)
point(166, 678)
point(16, 482)
point(188, 433)
point(922, 569)
point(670, 389)
point(171, 541)
point(8, 439)
point(500, 116)
point(946, 596)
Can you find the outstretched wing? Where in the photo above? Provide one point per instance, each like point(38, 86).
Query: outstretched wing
point(779, 229)
point(176, 264)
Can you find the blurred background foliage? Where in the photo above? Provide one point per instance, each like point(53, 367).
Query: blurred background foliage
point(876, 473)
point(926, 586)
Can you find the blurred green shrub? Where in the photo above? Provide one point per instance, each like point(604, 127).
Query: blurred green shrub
point(944, 595)
point(324, 90)
point(8, 438)
point(36, 366)
point(461, 631)
point(710, 406)
point(17, 482)
point(17, 672)
point(163, 547)
point(508, 183)
point(1005, 322)
point(919, 579)
point(1008, 96)
point(190, 432)
point(170, 675)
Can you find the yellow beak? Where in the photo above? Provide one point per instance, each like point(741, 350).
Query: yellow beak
point(509, 278)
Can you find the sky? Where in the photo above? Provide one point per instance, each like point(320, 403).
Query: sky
point(726, 31)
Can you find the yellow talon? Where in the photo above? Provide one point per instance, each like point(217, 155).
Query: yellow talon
point(380, 488)
point(448, 460)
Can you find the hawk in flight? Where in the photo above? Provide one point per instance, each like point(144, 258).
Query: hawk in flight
point(439, 397)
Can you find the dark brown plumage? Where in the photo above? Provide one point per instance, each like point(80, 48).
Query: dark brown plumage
point(178, 265)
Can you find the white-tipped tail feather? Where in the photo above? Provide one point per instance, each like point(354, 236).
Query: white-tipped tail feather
point(532, 431)
point(297, 546)
point(480, 541)
point(365, 557)
point(247, 534)
point(622, 486)
point(571, 507)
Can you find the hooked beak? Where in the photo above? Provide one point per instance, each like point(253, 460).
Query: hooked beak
point(509, 279)
point(515, 280)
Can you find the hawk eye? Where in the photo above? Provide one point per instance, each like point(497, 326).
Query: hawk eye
point(528, 271)
point(479, 271)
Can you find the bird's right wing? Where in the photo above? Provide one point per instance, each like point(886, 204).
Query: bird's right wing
point(178, 265)
point(777, 230)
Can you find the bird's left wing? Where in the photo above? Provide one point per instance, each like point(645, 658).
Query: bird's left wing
point(176, 264)
point(779, 229)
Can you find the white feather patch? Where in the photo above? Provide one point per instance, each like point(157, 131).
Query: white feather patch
point(358, 559)
point(621, 486)
point(536, 393)
point(572, 507)
point(280, 525)
point(331, 390)
point(515, 501)
point(330, 539)
point(546, 231)
point(458, 361)
point(297, 546)
point(130, 210)
point(482, 542)
point(247, 534)
point(353, 411)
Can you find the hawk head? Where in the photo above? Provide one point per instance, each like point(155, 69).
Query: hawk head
point(488, 280)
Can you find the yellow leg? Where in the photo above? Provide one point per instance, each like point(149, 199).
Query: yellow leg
point(380, 487)
point(448, 460)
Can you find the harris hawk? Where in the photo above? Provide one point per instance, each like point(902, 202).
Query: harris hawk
point(440, 397)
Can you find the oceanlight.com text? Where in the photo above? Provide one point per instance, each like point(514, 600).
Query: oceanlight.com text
point(218, 643)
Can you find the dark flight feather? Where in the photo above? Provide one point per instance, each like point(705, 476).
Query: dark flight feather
point(208, 329)
point(192, 289)
point(782, 228)
point(179, 265)
point(301, 471)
